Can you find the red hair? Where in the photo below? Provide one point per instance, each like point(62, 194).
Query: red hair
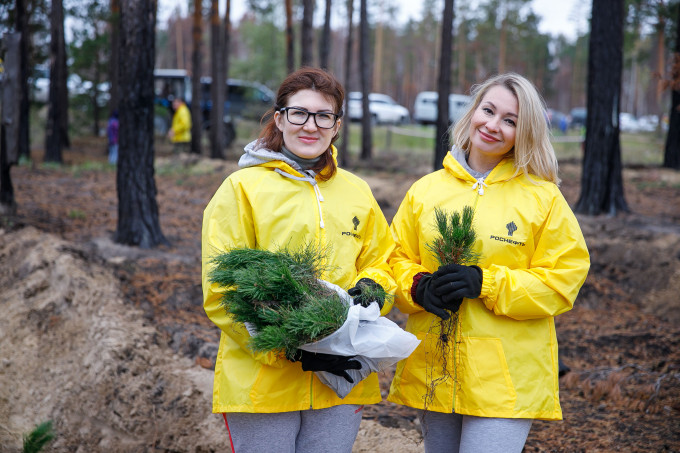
point(304, 79)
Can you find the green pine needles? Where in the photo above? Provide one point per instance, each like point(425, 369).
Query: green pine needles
point(36, 440)
point(279, 294)
point(456, 237)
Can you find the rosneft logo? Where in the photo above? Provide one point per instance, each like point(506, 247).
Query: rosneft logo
point(511, 227)
point(355, 222)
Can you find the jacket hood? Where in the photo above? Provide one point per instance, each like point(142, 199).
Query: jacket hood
point(256, 154)
point(505, 170)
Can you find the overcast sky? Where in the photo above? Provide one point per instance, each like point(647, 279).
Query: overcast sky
point(558, 16)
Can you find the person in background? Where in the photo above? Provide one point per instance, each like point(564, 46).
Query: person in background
point(503, 369)
point(180, 130)
point(290, 192)
point(112, 135)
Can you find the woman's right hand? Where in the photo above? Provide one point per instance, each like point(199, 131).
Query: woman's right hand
point(426, 297)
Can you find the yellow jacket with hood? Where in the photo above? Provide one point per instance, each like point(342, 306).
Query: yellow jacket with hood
point(534, 259)
point(271, 203)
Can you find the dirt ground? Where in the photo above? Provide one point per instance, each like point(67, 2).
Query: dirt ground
point(112, 344)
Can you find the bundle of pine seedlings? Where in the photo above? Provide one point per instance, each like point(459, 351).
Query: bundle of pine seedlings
point(279, 294)
point(453, 245)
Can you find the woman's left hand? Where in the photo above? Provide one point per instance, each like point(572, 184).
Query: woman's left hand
point(360, 296)
point(455, 281)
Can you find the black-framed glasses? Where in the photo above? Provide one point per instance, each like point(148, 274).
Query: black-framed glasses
point(298, 117)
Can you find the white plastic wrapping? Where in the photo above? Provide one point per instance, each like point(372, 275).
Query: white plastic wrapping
point(373, 340)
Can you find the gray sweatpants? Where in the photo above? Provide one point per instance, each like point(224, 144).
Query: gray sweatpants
point(453, 433)
point(331, 430)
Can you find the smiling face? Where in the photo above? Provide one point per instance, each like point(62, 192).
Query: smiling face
point(492, 128)
point(308, 140)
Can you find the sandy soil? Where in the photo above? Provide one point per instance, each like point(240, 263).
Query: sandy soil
point(111, 343)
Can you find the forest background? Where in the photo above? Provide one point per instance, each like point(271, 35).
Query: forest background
point(136, 369)
point(490, 36)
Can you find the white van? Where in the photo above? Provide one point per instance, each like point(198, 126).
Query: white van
point(425, 107)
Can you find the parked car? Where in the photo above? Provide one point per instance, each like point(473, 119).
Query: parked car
point(578, 117)
point(628, 122)
point(39, 86)
point(425, 107)
point(383, 109)
point(648, 123)
point(245, 99)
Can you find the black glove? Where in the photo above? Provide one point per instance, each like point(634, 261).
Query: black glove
point(335, 364)
point(426, 298)
point(357, 293)
point(455, 281)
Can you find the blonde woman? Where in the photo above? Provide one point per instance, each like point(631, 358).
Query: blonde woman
point(502, 369)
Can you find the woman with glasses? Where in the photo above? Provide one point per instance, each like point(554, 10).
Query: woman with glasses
point(289, 192)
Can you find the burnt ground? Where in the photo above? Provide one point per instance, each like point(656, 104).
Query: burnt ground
point(621, 340)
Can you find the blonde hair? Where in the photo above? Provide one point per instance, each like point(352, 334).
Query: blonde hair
point(533, 153)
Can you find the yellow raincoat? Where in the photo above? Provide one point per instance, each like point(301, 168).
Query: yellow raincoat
point(534, 261)
point(181, 125)
point(269, 205)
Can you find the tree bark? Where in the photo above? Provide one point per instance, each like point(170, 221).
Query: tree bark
point(21, 25)
point(218, 84)
point(196, 116)
point(671, 158)
point(290, 37)
point(325, 44)
point(344, 144)
point(365, 76)
point(10, 99)
point(138, 220)
point(441, 145)
point(115, 55)
point(601, 180)
point(307, 33)
point(56, 133)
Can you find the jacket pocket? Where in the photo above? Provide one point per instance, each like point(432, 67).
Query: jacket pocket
point(485, 382)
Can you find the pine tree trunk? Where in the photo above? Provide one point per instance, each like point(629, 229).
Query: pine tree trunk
point(218, 84)
point(365, 68)
point(56, 129)
point(344, 145)
point(441, 145)
point(307, 33)
point(671, 158)
point(114, 61)
point(138, 220)
point(10, 99)
point(21, 25)
point(196, 98)
point(601, 180)
point(325, 44)
point(290, 37)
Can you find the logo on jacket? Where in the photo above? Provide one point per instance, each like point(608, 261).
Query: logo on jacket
point(511, 230)
point(355, 222)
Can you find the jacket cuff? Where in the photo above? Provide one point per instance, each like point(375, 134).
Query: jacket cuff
point(487, 293)
point(414, 285)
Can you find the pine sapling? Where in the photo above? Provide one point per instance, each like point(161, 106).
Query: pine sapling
point(453, 245)
point(279, 294)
